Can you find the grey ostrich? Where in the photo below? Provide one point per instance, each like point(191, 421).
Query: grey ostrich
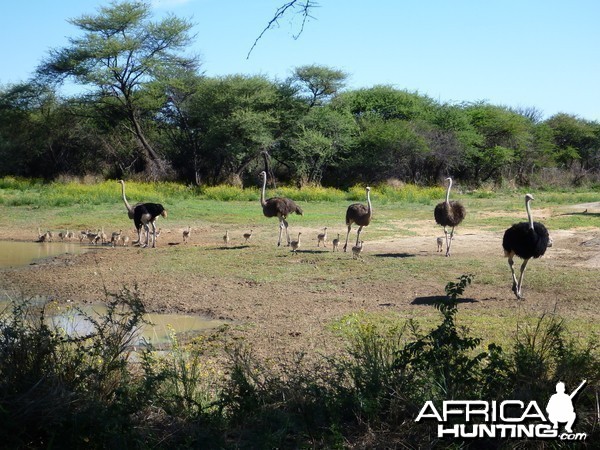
point(449, 214)
point(279, 207)
point(145, 215)
point(526, 240)
point(360, 215)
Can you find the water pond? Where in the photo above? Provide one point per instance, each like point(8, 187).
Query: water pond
point(15, 254)
point(18, 254)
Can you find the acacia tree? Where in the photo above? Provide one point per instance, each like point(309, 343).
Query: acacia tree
point(120, 52)
point(318, 82)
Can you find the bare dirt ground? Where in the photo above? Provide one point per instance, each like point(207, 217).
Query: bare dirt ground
point(280, 319)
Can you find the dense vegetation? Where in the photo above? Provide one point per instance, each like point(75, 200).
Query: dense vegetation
point(147, 110)
point(62, 391)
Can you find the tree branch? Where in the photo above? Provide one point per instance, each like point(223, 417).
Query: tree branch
point(305, 7)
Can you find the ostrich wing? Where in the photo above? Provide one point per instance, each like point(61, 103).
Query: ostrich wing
point(358, 213)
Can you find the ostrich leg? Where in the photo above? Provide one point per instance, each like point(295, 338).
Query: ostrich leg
point(446, 236)
point(449, 242)
point(511, 264)
point(523, 266)
point(281, 225)
point(358, 235)
point(347, 234)
point(287, 233)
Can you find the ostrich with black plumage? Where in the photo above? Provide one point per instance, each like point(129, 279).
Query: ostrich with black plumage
point(449, 214)
point(145, 215)
point(526, 240)
point(279, 207)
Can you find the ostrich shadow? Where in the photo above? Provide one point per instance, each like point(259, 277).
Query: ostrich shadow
point(584, 213)
point(233, 247)
point(434, 299)
point(394, 255)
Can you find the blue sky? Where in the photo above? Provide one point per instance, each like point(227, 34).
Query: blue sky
point(519, 53)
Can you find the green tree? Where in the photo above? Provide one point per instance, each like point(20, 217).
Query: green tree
point(321, 143)
point(576, 140)
point(120, 52)
point(318, 83)
point(504, 136)
point(235, 119)
point(40, 136)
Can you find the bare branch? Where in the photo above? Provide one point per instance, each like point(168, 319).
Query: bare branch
point(303, 8)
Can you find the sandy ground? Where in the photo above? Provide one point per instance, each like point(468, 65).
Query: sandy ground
point(281, 319)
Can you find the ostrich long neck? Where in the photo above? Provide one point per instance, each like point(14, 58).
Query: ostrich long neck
point(528, 208)
point(448, 190)
point(262, 192)
point(369, 209)
point(127, 205)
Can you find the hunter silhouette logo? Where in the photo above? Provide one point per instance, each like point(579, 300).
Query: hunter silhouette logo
point(560, 407)
point(512, 419)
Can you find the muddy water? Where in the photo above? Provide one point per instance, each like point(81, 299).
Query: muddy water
point(157, 332)
point(15, 254)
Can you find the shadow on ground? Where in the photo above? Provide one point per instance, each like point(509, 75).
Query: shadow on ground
point(433, 299)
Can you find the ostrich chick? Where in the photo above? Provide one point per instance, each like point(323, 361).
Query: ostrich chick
point(186, 234)
point(226, 238)
point(440, 244)
point(322, 237)
point(357, 250)
point(335, 243)
point(247, 236)
point(295, 244)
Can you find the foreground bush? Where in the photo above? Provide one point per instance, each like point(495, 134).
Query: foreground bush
point(88, 391)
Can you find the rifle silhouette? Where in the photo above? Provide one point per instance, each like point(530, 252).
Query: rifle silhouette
point(577, 390)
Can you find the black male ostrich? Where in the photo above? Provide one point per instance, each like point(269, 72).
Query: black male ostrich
point(526, 240)
point(278, 207)
point(130, 208)
point(360, 215)
point(449, 214)
point(145, 214)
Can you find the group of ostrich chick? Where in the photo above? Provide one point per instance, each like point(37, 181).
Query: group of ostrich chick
point(526, 239)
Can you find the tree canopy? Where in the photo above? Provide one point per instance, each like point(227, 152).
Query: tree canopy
point(147, 110)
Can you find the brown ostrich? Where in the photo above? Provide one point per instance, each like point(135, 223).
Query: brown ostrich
point(360, 215)
point(449, 214)
point(278, 207)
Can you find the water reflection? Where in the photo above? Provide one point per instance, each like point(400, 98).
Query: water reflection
point(14, 254)
point(157, 332)
point(73, 320)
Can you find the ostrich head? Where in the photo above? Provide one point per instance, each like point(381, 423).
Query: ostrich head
point(528, 197)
